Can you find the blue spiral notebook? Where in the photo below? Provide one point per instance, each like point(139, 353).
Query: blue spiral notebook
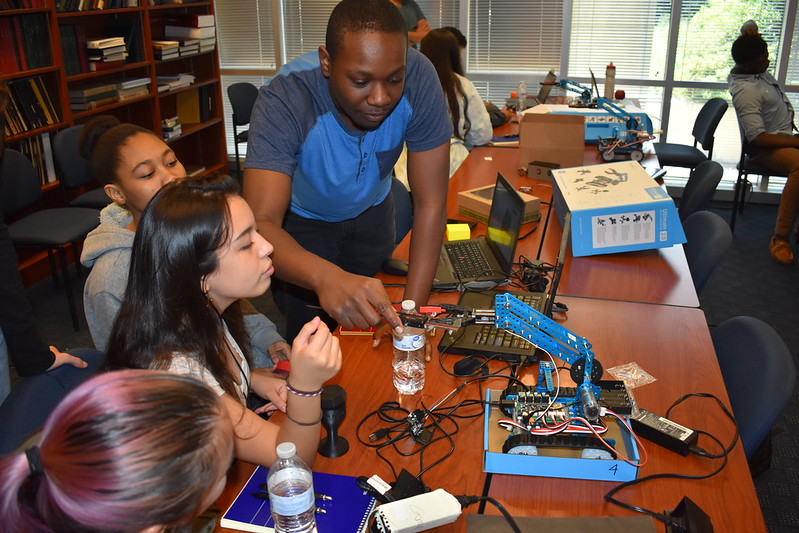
point(347, 512)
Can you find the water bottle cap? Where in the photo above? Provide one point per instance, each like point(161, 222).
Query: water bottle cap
point(286, 450)
point(408, 305)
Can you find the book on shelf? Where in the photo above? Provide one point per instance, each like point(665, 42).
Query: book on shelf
point(32, 103)
point(188, 51)
point(120, 56)
point(94, 104)
point(190, 20)
point(39, 150)
point(97, 66)
point(166, 54)
point(80, 38)
point(165, 45)
point(187, 104)
point(170, 122)
point(136, 82)
point(29, 32)
point(194, 170)
point(92, 90)
point(172, 31)
point(130, 30)
point(133, 92)
point(107, 42)
point(188, 41)
point(19, 46)
point(347, 512)
point(100, 53)
point(10, 60)
point(171, 134)
point(69, 49)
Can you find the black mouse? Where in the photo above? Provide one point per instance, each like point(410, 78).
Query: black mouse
point(468, 366)
point(395, 267)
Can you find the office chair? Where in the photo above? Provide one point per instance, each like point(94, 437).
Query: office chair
point(708, 237)
point(403, 210)
point(24, 411)
point(682, 155)
point(745, 167)
point(73, 170)
point(48, 229)
point(242, 98)
point(700, 187)
point(759, 373)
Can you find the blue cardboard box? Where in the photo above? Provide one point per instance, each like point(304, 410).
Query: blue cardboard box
point(555, 462)
point(599, 122)
point(615, 207)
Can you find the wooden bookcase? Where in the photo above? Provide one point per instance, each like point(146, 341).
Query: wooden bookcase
point(200, 145)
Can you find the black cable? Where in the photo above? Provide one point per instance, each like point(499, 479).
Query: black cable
point(466, 501)
point(665, 518)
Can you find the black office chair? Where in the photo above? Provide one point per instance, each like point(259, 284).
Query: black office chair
point(403, 210)
point(746, 167)
point(74, 171)
point(49, 229)
point(682, 155)
point(242, 98)
point(707, 239)
point(700, 187)
point(759, 373)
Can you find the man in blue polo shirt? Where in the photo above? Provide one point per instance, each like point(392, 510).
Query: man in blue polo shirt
point(323, 141)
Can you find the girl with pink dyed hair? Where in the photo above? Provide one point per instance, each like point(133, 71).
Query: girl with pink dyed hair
point(128, 451)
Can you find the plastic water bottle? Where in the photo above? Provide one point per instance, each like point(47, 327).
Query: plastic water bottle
point(610, 81)
point(522, 95)
point(409, 356)
point(291, 494)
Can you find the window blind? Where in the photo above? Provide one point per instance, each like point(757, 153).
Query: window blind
point(246, 34)
point(634, 42)
point(304, 25)
point(513, 37)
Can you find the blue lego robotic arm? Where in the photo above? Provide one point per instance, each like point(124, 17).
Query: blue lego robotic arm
point(521, 319)
point(584, 92)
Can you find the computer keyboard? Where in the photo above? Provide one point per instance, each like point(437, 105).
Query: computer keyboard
point(489, 335)
point(467, 260)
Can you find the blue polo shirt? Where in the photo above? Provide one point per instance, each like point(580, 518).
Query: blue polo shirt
point(338, 172)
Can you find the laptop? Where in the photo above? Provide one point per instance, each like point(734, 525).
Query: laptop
point(487, 340)
point(543, 93)
point(484, 262)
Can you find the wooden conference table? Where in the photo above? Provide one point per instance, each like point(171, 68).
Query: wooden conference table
point(633, 308)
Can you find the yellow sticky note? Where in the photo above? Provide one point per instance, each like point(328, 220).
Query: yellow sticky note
point(458, 232)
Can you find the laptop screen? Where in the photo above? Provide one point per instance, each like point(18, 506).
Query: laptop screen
point(504, 222)
point(546, 88)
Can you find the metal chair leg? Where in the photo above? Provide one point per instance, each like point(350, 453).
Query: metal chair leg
point(68, 288)
point(76, 258)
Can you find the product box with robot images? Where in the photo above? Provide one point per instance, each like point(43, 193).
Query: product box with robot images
point(615, 207)
point(476, 204)
point(597, 122)
point(561, 462)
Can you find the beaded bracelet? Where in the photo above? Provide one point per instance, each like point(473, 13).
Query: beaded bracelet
point(303, 393)
point(305, 423)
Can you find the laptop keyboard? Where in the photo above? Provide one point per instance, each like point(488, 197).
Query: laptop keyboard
point(491, 336)
point(467, 260)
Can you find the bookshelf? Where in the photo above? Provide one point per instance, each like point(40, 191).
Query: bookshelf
point(49, 70)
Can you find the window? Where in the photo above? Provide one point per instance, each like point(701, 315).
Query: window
point(666, 52)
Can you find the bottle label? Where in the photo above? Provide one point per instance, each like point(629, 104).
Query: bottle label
point(291, 505)
point(296, 503)
point(409, 343)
